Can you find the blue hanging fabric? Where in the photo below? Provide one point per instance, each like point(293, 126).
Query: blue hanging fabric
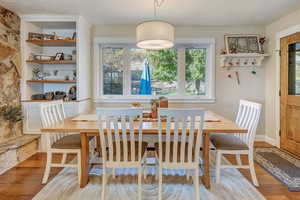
point(145, 84)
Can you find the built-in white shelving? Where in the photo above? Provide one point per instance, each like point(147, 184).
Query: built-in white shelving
point(79, 66)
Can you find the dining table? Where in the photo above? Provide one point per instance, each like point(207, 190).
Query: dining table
point(86, 124)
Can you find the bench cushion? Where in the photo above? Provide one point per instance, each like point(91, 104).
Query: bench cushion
point(68, 142)
point(227, 142)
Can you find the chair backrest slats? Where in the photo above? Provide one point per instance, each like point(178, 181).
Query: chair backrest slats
point(248, 118)
point(183, 140)
point(51, 114)
point(115, 140)
point(183, 122)
point(191, 136)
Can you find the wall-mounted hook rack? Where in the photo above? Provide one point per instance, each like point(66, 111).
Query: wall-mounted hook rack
point(242, 60)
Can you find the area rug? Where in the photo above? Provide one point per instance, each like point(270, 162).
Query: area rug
point(64, 186)
point(283, 166)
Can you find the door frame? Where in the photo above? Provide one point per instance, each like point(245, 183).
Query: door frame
point(279, 35)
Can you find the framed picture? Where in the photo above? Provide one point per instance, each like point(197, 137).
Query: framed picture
point(59, 56)
point(242, 44)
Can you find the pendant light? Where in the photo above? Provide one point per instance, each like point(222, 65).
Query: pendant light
point(155, 34)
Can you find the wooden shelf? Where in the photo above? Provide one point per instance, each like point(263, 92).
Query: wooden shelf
point(32, 101)
point(50, 81)
point(52, 61)
point(53, 43)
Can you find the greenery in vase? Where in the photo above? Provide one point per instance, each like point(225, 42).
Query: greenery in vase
point(11, 113)
point(154, 103)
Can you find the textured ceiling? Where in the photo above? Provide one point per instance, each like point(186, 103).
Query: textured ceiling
point(179, 12)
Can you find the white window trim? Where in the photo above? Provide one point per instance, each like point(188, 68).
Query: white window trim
point(209, 43)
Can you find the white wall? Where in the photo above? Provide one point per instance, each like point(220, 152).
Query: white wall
point(228, 93)
point(272, 29)
point(84, 59)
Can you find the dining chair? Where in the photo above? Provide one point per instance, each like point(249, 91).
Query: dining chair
point(238, 144)
point(181, 148)
point(119, 144)
point(63, 143)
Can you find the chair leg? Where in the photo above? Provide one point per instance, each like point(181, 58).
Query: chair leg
point(64, 158)
point(196, 184)
point(218, 167)
point(238, 159)
point(144, 161)
point(104, 182)
point(157, 165)
point(252, 170)
point(140, 183)
point(79, 166)
point(160, 183)
point(48, 167)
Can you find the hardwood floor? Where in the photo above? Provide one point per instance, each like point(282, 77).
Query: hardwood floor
point(23, 182)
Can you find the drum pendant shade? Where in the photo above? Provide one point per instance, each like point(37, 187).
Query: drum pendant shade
point(155, 35)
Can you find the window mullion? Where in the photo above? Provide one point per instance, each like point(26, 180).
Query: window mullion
point(127, 76)
point(181, 71)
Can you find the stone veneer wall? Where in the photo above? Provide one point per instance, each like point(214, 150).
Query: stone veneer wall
point(10, 70)
point(14, 146)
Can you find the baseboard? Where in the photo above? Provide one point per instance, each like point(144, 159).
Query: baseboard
point(264, 138)
point(270, 141)
point(260, 138)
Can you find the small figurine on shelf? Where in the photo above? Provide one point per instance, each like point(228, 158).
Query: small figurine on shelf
point(72, 93)
point(262, 40)
point(74, 75)
point(37, 74)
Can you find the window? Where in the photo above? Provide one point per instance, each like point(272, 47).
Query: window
point(195, 63)
point(163, 71)
point(113, 65)
point(185, 72)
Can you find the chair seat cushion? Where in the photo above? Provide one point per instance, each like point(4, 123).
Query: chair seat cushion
point(227, 142)
point(171, 152)
point(68, 142)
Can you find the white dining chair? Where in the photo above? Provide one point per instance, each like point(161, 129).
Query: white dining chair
point(247, 117)
point(63, 143)
point(181, 148)
point(118, 128)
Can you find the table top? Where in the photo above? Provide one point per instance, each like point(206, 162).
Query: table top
point(221, 125)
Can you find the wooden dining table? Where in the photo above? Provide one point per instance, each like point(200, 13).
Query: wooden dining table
point(87, 125)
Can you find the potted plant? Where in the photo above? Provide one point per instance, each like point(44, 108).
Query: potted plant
point(11, 114)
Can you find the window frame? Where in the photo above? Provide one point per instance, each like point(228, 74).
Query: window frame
point(181, 44)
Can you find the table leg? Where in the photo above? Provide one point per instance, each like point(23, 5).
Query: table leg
point(84, 159)
point(98, 149)
point(206, 175)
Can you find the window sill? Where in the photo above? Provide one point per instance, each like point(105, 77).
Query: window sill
point(147, 100)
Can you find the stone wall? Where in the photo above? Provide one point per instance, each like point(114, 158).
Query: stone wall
point(10, 70)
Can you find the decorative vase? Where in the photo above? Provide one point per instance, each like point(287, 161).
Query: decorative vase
point(164, 103)
point(154, 113)
point(154, 105)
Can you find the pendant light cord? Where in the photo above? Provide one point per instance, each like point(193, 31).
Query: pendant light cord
point(157, 4)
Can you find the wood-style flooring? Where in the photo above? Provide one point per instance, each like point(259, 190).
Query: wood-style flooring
point(23, 182)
